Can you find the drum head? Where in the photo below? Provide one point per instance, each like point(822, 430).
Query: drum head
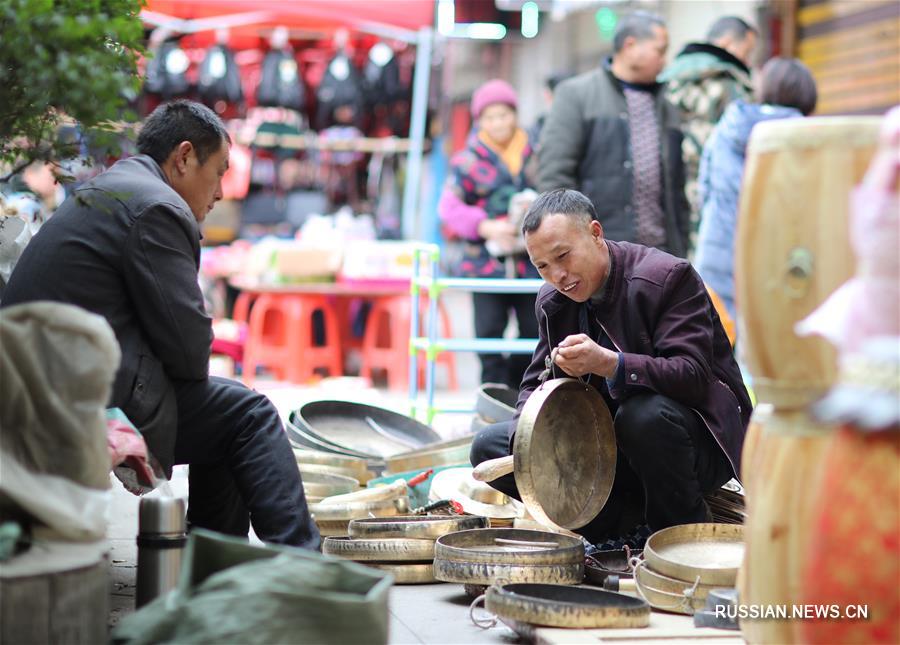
point(565, 453)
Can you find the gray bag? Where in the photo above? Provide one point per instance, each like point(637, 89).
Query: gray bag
point(232, 592)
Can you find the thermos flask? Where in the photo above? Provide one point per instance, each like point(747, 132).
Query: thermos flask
point(161, 539)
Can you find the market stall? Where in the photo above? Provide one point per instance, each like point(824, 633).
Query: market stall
point(326, 107)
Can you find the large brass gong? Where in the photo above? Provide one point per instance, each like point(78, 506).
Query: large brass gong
point(564, 454)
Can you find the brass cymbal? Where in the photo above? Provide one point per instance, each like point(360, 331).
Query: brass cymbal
point(481, 573)
point(510, 546)
point(565, 453)
point(407, 573)
point(357, 510)
point(713, 552)
point(566, 606)
point(379, 550)
point(426, 527)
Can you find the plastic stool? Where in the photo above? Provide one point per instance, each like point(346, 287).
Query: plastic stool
point(281, 337)
point(386, 346)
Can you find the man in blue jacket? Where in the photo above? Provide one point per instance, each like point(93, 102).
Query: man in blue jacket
point(126, 246)
point(636, 324)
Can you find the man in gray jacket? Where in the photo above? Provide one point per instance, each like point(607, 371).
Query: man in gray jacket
point(612, 135)
point(126, 246)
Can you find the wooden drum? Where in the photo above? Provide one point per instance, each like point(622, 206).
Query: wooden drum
point(793, 247)
point(793, 251)
point(784, 468)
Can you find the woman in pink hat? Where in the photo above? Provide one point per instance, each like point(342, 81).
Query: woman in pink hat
point(482, 204)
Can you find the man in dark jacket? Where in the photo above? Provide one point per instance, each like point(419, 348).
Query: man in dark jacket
point(612, 135)
point(126, 246)
point(636, 324)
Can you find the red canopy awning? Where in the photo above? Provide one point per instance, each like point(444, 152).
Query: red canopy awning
point(314, 16)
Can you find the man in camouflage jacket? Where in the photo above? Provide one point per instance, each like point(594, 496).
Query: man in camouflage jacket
point(702, 80)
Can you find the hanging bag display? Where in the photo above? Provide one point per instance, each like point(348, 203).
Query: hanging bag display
point(341, 86)
point(220, 79)
point(382, 76)
point(280, 84)
point(166, 71)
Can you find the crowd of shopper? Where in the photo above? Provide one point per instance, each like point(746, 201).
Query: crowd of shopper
point(658, 151)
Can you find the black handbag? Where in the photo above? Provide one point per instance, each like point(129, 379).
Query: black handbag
point(280, 84)
point(382, 76)
point(341, 86)
point(166, 71)
point(220, 79)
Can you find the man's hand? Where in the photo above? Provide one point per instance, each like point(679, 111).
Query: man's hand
point(578, 355)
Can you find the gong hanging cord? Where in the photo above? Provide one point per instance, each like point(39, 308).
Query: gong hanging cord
point(481, 623)
point(684, 604)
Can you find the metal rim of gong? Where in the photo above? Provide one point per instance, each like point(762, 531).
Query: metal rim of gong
point(357, 510)
point(425, 527)
point(478, 546)
point(531, 466)
point(445, 453)
point(322, 484)
point(482, 573)
point(715, 538)
point(555, 605)
point(379, 550)
point(407, 573)
point(332, 528)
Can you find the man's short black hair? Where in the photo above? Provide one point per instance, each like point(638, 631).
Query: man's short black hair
point(561, 201)
point(638, 24)
point(733, 26)
point(177, 121)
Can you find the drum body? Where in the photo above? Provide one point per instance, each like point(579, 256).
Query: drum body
point(786, 470)
point(853, 557)
point(793, 246)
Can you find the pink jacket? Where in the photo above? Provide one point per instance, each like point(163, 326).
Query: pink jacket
point(459, 218)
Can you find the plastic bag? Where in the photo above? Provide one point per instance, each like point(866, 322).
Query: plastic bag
point(232, 592)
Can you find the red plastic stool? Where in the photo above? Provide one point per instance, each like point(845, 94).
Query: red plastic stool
point(281, 337)
point(386, 342)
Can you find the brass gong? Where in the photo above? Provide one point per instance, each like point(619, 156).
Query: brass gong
point(564, 454)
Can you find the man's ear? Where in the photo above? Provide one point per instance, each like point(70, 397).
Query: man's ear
point(182, 153)
point(596, 230)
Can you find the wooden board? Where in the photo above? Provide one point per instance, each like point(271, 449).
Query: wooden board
point(852, 49)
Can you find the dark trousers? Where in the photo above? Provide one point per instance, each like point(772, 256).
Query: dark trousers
point(667, 460)
point(242, 468)
point(492, 313)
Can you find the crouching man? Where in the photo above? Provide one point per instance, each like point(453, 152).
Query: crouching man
point(636, 324)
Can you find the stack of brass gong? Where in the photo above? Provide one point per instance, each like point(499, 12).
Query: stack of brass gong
point(682, 564)
point(334, 514)
point(403, 545)
point(316, 461)
point(486, 556)
point(319, 485)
